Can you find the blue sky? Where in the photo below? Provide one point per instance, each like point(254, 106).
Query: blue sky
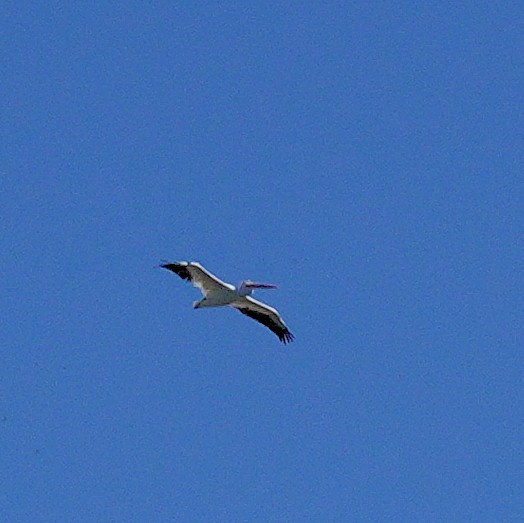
point(366, 157)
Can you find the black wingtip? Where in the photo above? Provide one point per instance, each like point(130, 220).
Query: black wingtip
point(178, 268)
point(286, 337)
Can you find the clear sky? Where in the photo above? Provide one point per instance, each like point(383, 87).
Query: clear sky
point(367, 157)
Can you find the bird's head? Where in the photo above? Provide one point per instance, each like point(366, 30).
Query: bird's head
point(249, 286)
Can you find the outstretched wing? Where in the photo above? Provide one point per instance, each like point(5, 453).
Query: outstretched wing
point(265, 315)
point(198, 276)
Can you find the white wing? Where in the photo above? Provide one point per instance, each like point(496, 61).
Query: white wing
point(198, 276)
point(264, 314)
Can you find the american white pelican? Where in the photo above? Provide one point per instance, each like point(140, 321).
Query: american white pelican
point(218, 293)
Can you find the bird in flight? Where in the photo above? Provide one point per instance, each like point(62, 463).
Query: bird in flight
point(217, 293)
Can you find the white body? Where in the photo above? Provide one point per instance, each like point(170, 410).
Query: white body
point(217, 298)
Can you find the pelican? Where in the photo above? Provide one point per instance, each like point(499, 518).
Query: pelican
point(218, 293)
